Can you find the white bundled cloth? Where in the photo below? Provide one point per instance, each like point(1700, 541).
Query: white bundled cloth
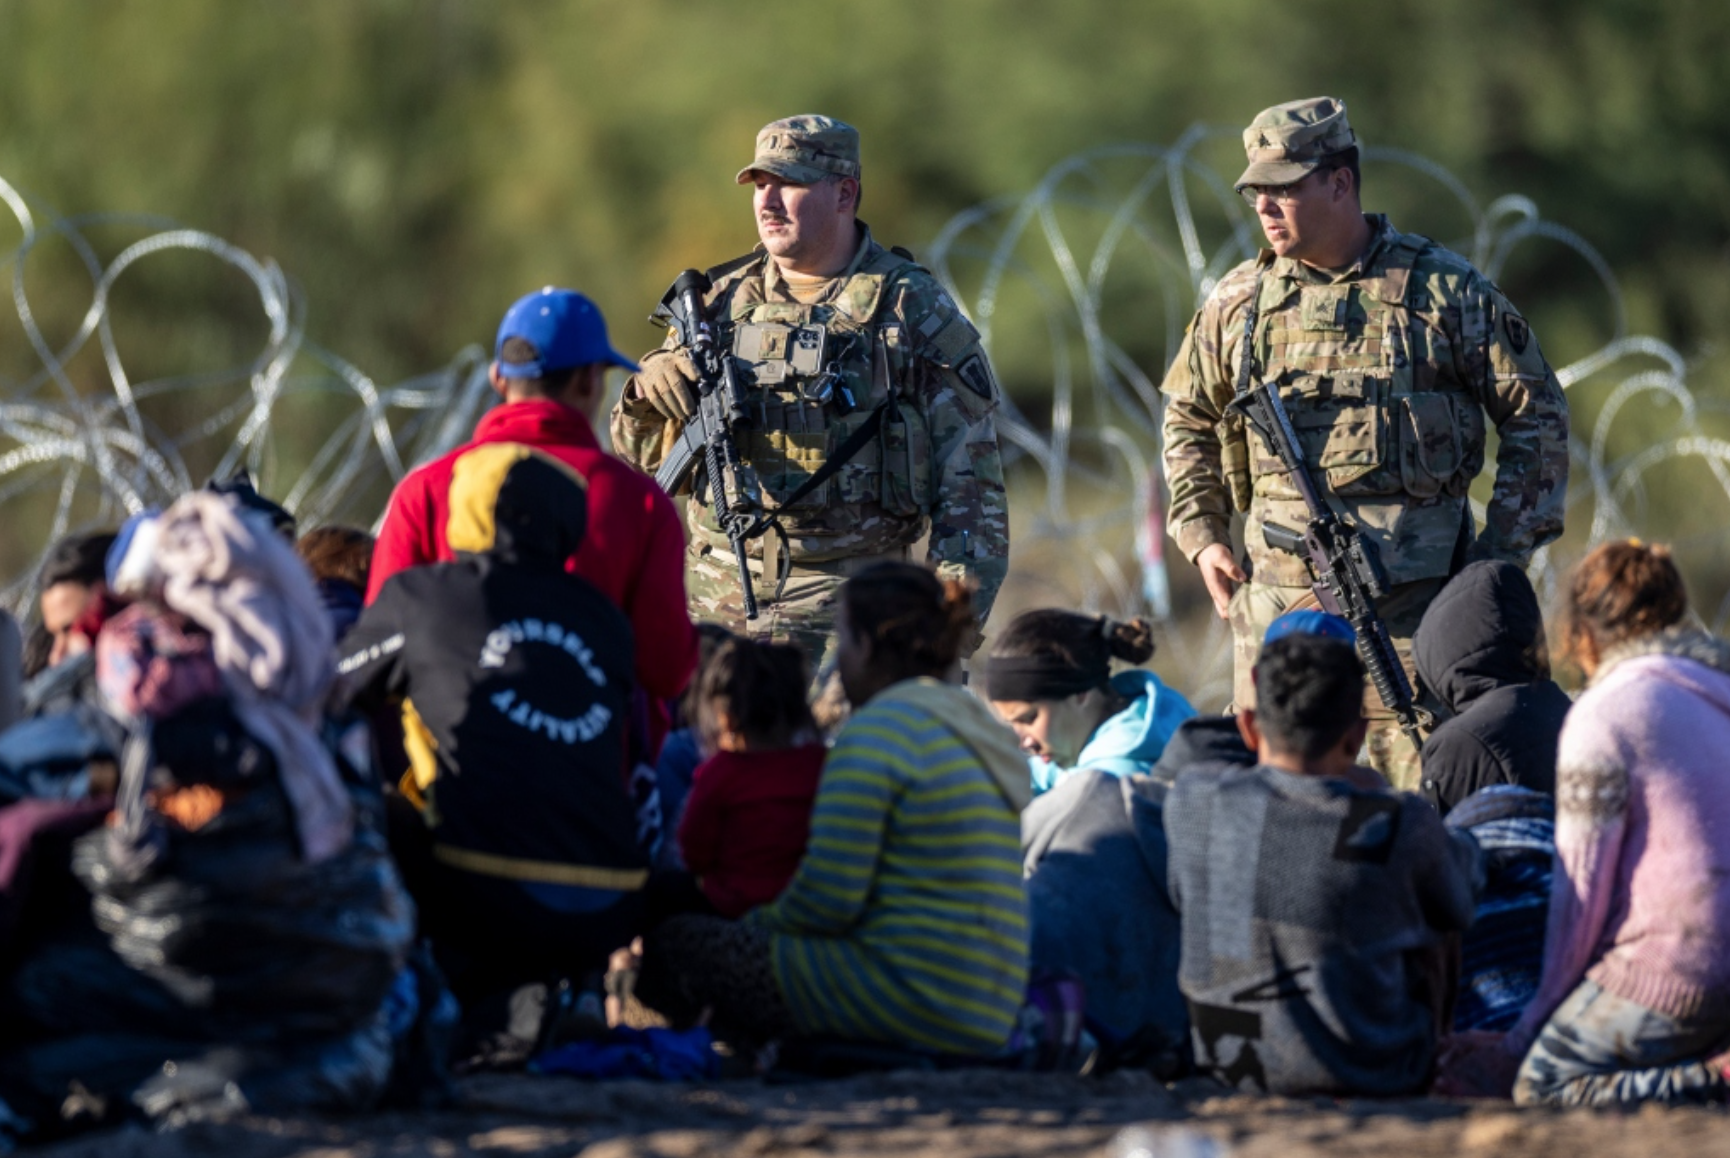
point(231, 573)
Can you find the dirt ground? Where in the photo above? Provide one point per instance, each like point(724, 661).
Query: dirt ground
point(953, 1115)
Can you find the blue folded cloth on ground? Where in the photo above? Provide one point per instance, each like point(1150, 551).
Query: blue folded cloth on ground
point(666, 1055)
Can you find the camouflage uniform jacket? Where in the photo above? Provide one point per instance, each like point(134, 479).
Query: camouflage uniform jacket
point(887, 328)
point(1388, 370)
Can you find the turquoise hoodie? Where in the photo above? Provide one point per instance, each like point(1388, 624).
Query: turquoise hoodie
point(1128, 743)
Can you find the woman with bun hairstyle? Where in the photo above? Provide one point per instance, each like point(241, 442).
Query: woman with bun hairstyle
point(1049, 677)
point(1634, 1003)
point(906, 923)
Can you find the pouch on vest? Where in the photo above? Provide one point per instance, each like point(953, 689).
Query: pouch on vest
point(786, 449)
point(1234, 459)
point(906, 464)
point(1429, 438)
point(1337, 367)
point(1340, 420)
point(905, 439)
point(789, 440)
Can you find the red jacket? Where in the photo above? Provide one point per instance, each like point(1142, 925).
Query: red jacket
point(633, 550)
point(746, 823)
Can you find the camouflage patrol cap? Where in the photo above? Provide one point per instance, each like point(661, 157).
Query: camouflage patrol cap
point(1287, 141)
point(804, 150)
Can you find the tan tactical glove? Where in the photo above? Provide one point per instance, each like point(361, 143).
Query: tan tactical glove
point(668, 383)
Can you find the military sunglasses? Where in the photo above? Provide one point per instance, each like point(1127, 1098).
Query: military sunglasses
point(1282, 194)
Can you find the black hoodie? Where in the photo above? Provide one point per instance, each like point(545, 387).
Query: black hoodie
point(1480, 648)
point(516, 678)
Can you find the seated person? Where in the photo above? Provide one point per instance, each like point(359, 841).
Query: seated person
point(1634, 1005)
point(749, 811)
point(65, 746)
point(73, 603)
point(1216, 740)
point(550, 362)
point(244, 927)
point(1316, 913)
point(515, 679)
point(1097, 890)
point(682, 751)
point(1049, 678)
point(339, 559)
point(1481, 649)
point(907, 921)
point(1098, 903)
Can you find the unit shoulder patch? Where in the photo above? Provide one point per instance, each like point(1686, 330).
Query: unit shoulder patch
point(976, 375)
point(1519, 333)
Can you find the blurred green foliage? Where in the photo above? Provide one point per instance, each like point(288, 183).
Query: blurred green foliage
point(415, 165)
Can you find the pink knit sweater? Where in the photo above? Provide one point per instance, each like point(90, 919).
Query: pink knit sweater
point(1641, 897)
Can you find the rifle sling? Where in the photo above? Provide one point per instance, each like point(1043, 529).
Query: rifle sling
point(844, 454)
point(1246, 357)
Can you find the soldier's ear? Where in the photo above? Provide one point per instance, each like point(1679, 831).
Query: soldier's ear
point(1343, 183)
point(847, 195)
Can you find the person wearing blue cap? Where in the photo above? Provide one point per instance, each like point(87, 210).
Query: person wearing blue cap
point(1218, 739)
point(550, 361)
point(1311, 622)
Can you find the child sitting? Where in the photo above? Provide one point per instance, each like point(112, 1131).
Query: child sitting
point(748, 814)
point(1316, 913)
point(683, 750)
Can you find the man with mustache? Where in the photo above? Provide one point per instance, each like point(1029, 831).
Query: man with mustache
point(1390, 352)
point(830, 331)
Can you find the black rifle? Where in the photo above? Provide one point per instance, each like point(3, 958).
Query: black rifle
point(708, 435)
point(1347, 576)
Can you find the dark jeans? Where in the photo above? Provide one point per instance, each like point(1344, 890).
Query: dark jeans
point(1598, 1049)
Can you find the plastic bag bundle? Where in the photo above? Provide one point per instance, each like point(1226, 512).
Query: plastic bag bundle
point(252, 939)
point(203, 891)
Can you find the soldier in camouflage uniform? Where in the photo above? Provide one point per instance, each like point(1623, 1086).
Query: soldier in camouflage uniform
point(1390, 353)
point(827, 327)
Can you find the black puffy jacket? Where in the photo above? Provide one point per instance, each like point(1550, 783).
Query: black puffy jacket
point(1481, 649)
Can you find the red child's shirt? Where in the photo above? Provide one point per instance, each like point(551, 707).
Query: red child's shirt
point(746, 823)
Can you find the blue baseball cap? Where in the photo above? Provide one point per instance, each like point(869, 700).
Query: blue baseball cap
point(565, 328)
point(1311, 622)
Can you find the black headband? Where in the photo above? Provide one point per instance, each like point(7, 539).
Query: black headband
point(1025, 678)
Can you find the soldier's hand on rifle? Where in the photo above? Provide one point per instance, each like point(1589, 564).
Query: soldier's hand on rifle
point(668, 383)
point(1221, 574)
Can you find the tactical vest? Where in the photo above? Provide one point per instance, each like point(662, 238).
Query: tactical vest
point(1367, 373)
point(814, 374)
